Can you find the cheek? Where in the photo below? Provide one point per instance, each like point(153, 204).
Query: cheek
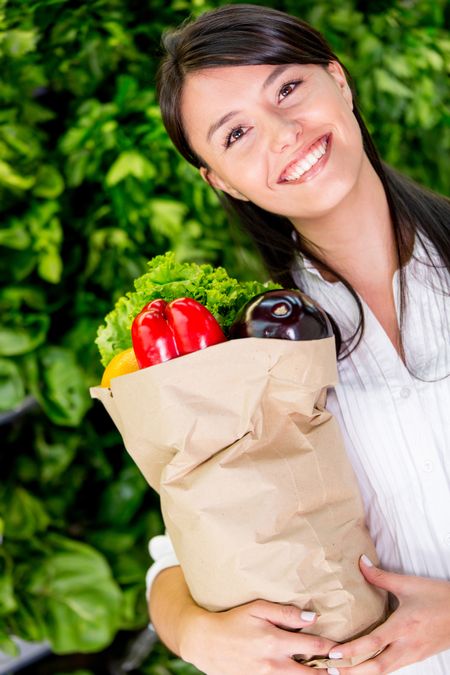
point(252, 171)
point(349, 127)
point(246, 173)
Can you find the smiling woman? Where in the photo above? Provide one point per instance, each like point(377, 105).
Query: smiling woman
point(258, 102)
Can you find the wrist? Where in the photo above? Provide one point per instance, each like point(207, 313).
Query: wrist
point(193, 624)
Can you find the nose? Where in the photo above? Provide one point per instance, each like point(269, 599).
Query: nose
point(284, 132)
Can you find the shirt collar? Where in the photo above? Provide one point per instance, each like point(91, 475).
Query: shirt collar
point(303, 264)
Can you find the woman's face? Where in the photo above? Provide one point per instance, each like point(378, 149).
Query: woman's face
point(283, 137)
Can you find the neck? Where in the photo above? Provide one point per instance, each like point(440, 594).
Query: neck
point(356, 239)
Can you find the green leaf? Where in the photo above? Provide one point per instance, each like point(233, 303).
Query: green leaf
point(26, 622)
point(58, 384)
point(34, 113)
point(10, 179)
point(134, 613)
point(21, 265)
point(433, 57)
point(15, 236)
point(47, 235)
point(77, 596)
point(127, 88)
point(23, 298)
point(130, 163)
point(8, 601)
point(55, 457)
point(50, 266)
point(386, 82)
point(49, 182)
point(17, 43)
point(25, 338)
point(25, 516)
point(167, 216)
point(111, 541)
point(123, 497)
point(21, 139)
point(77, 165)
point(22, 329)
point(7, 645)
point(12, 388)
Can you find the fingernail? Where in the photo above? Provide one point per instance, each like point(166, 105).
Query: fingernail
point(333, 671)
point(335, 655)
point(367, 562)
point(308, 616)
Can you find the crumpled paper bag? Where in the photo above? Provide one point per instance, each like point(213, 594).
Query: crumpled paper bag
point(257, 492)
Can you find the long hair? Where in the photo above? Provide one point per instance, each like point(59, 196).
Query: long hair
point(238, 35)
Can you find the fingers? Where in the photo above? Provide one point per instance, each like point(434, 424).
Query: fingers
point(280, 647)
point(390, 581)
point(285, 642)
point(304, 645)
point(293, 668)
point(384, 663)
point(284, 616)
point(364, 646)
point(379, 642)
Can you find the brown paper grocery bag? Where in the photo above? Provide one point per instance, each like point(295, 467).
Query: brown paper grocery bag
point(257, 493)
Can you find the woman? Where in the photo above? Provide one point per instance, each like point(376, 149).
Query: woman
point(258, 102)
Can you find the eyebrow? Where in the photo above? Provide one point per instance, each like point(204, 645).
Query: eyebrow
point(223, 120)
point(276, 72)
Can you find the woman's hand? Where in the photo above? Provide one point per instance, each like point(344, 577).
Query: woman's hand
point(250, 639)
point(417, 629)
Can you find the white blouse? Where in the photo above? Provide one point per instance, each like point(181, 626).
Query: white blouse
point(396, 426)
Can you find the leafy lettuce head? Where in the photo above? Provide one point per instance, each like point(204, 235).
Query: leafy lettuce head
point(168, 279)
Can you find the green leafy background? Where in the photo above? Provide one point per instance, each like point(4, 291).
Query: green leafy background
point(90, 189)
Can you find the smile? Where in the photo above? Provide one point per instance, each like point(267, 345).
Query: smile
point(307, 166)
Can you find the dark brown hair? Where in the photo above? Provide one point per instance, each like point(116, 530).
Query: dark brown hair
point(237, 35)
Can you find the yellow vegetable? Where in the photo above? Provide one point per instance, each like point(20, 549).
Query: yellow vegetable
point(121, 364)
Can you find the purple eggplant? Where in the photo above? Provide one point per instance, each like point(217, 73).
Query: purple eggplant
point(284, 314)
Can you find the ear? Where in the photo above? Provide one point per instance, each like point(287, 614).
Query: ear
point(216, 182)
point(337, 73)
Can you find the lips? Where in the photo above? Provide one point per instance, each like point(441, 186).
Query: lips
point(307, 159)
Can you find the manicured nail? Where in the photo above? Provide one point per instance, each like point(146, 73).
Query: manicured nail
point(308, 616)
point(367, 562)
point(333, 671)
point(335, 655)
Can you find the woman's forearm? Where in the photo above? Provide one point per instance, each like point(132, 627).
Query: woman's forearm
point(244, 639)
point(172, 608)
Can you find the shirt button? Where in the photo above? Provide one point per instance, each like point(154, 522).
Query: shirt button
point(427, 466)
point(447, 539)
point(405, 392)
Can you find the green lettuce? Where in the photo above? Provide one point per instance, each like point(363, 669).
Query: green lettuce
point(168, 279)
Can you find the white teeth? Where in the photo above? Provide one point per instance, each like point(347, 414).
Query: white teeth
point(307, 162)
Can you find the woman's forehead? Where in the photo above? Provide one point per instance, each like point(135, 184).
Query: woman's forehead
point(246, 77)
point(246, 70)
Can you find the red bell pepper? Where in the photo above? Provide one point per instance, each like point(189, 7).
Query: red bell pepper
point(163, 331)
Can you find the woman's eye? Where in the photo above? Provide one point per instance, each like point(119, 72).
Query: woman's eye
point(234, 135)
point(287, 89)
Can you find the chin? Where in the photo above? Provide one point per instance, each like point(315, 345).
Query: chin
point(326, 201)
